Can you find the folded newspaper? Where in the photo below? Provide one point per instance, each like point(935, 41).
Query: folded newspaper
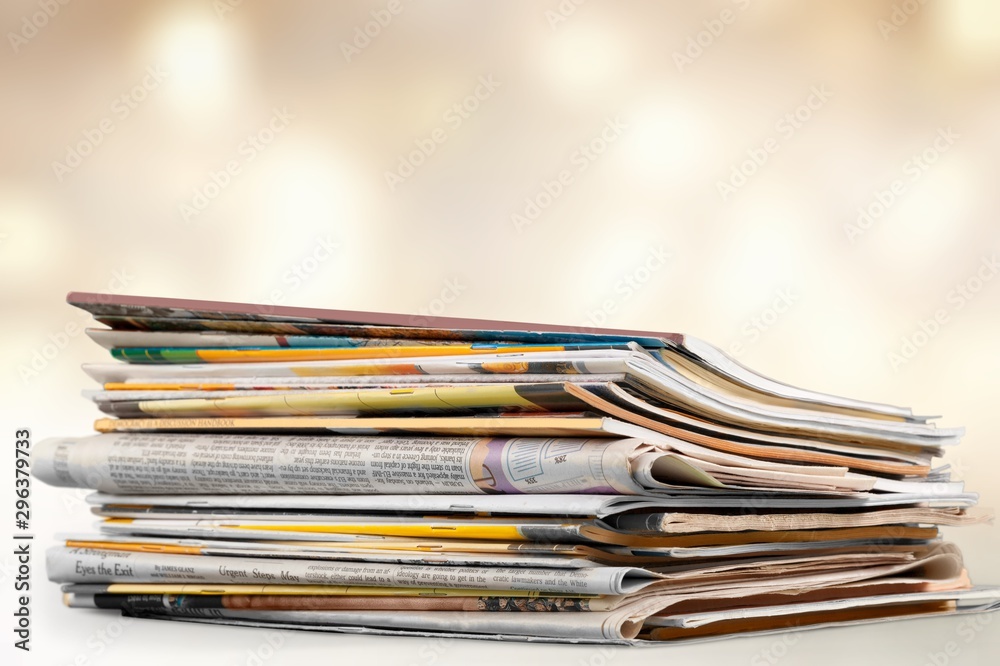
point(361, 472)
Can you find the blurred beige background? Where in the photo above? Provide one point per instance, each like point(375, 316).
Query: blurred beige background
point(810, 185)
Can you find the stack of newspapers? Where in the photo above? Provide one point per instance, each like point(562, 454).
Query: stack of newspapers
point(370, 473)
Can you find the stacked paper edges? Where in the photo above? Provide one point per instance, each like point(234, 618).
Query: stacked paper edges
point(344, 471)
